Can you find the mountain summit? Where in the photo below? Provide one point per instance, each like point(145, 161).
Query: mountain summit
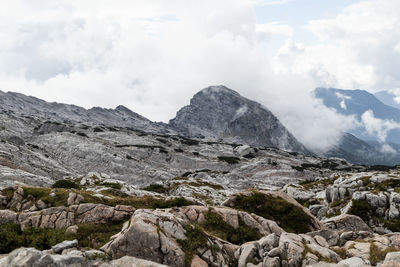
point(220, 112)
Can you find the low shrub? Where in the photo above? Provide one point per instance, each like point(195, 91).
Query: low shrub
point(216, 225)
point(65, 183)
point(95, 235)
point(361, 208)
point(158, 188)
point(288, 216)
point(11, 237)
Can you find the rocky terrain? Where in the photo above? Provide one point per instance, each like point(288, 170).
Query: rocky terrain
point(81, 190)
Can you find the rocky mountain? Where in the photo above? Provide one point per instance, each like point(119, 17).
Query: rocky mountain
point(358, 151)
point(220, 112)
point(22, 105)
point(356, 103)
point(90, 192)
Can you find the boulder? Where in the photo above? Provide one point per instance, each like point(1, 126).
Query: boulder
point(347, 222)
point(34, 258)
point(128, 261)
point(392, 257)
point(64, 245)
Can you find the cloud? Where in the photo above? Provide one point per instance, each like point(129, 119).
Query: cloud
point(153, 55)
point(387, 149)
point(356, 49)
point(378, 127)
point(396, 93)
point(271, 2)
point(274, 28)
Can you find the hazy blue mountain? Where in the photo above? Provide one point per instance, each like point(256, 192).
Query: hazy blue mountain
point(357, 102)
point(387, 98)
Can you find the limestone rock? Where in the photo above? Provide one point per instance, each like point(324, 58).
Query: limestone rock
point(347, 222)
point(64, 245)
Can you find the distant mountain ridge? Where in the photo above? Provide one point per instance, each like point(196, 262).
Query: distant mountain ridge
point(357, 102)
point(216, 113)
point(119, 117)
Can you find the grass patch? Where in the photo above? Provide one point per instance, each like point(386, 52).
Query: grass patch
point(376, 255)
point(360, 208)
point(112, 185)
point(65, 183)
point(308, 184)
point(195, 239)
point(340, 251)
point(289, 216)
point(158, 188)
point(40, 193)
point(95, 235)
point(216, 225)
point(11, 237)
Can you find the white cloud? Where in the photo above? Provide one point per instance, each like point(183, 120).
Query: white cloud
point(396, 93)
point(343, 98)
point(274, 28)
point(388, 149)
point(272, 2)
point(153, 55)
point(378, 127)
point(356, 49)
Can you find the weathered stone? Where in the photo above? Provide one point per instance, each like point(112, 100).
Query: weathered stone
point(347, 222)
point(7, 216)
point(247, 252)
point(331, 236)
point(73, 229)
point(128, 261)
point(35, 258)
point(271, 262)
point(392, 257)
point(352, 262)
point(198, 262)
point(64, 245)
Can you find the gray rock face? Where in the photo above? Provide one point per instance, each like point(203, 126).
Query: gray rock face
point(219, 112)
point(30, 257)
point(347, 222)
point(64, 245)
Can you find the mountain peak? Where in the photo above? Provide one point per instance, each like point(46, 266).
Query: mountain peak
point(220, 112)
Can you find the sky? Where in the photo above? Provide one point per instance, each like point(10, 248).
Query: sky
point(153, 55)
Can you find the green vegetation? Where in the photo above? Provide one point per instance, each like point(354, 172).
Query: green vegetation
point(340, 251)
point(94, 235)
point(11, 237)
point(195, 239)
point(376, 255)
point(65, 183)
point(390, 183)
point(112, 185)
point(289, 216)
point(158, 188)
point(308, 184)
point(40, 193)
point(216, 225)
point(361, 208)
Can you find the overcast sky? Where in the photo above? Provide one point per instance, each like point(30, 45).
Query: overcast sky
point(153, 55)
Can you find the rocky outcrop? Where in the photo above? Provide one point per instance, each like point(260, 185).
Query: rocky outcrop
point(157, 235)
point(313, 224)
point(346, 222)
point(31, 257)
point(63, 217)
